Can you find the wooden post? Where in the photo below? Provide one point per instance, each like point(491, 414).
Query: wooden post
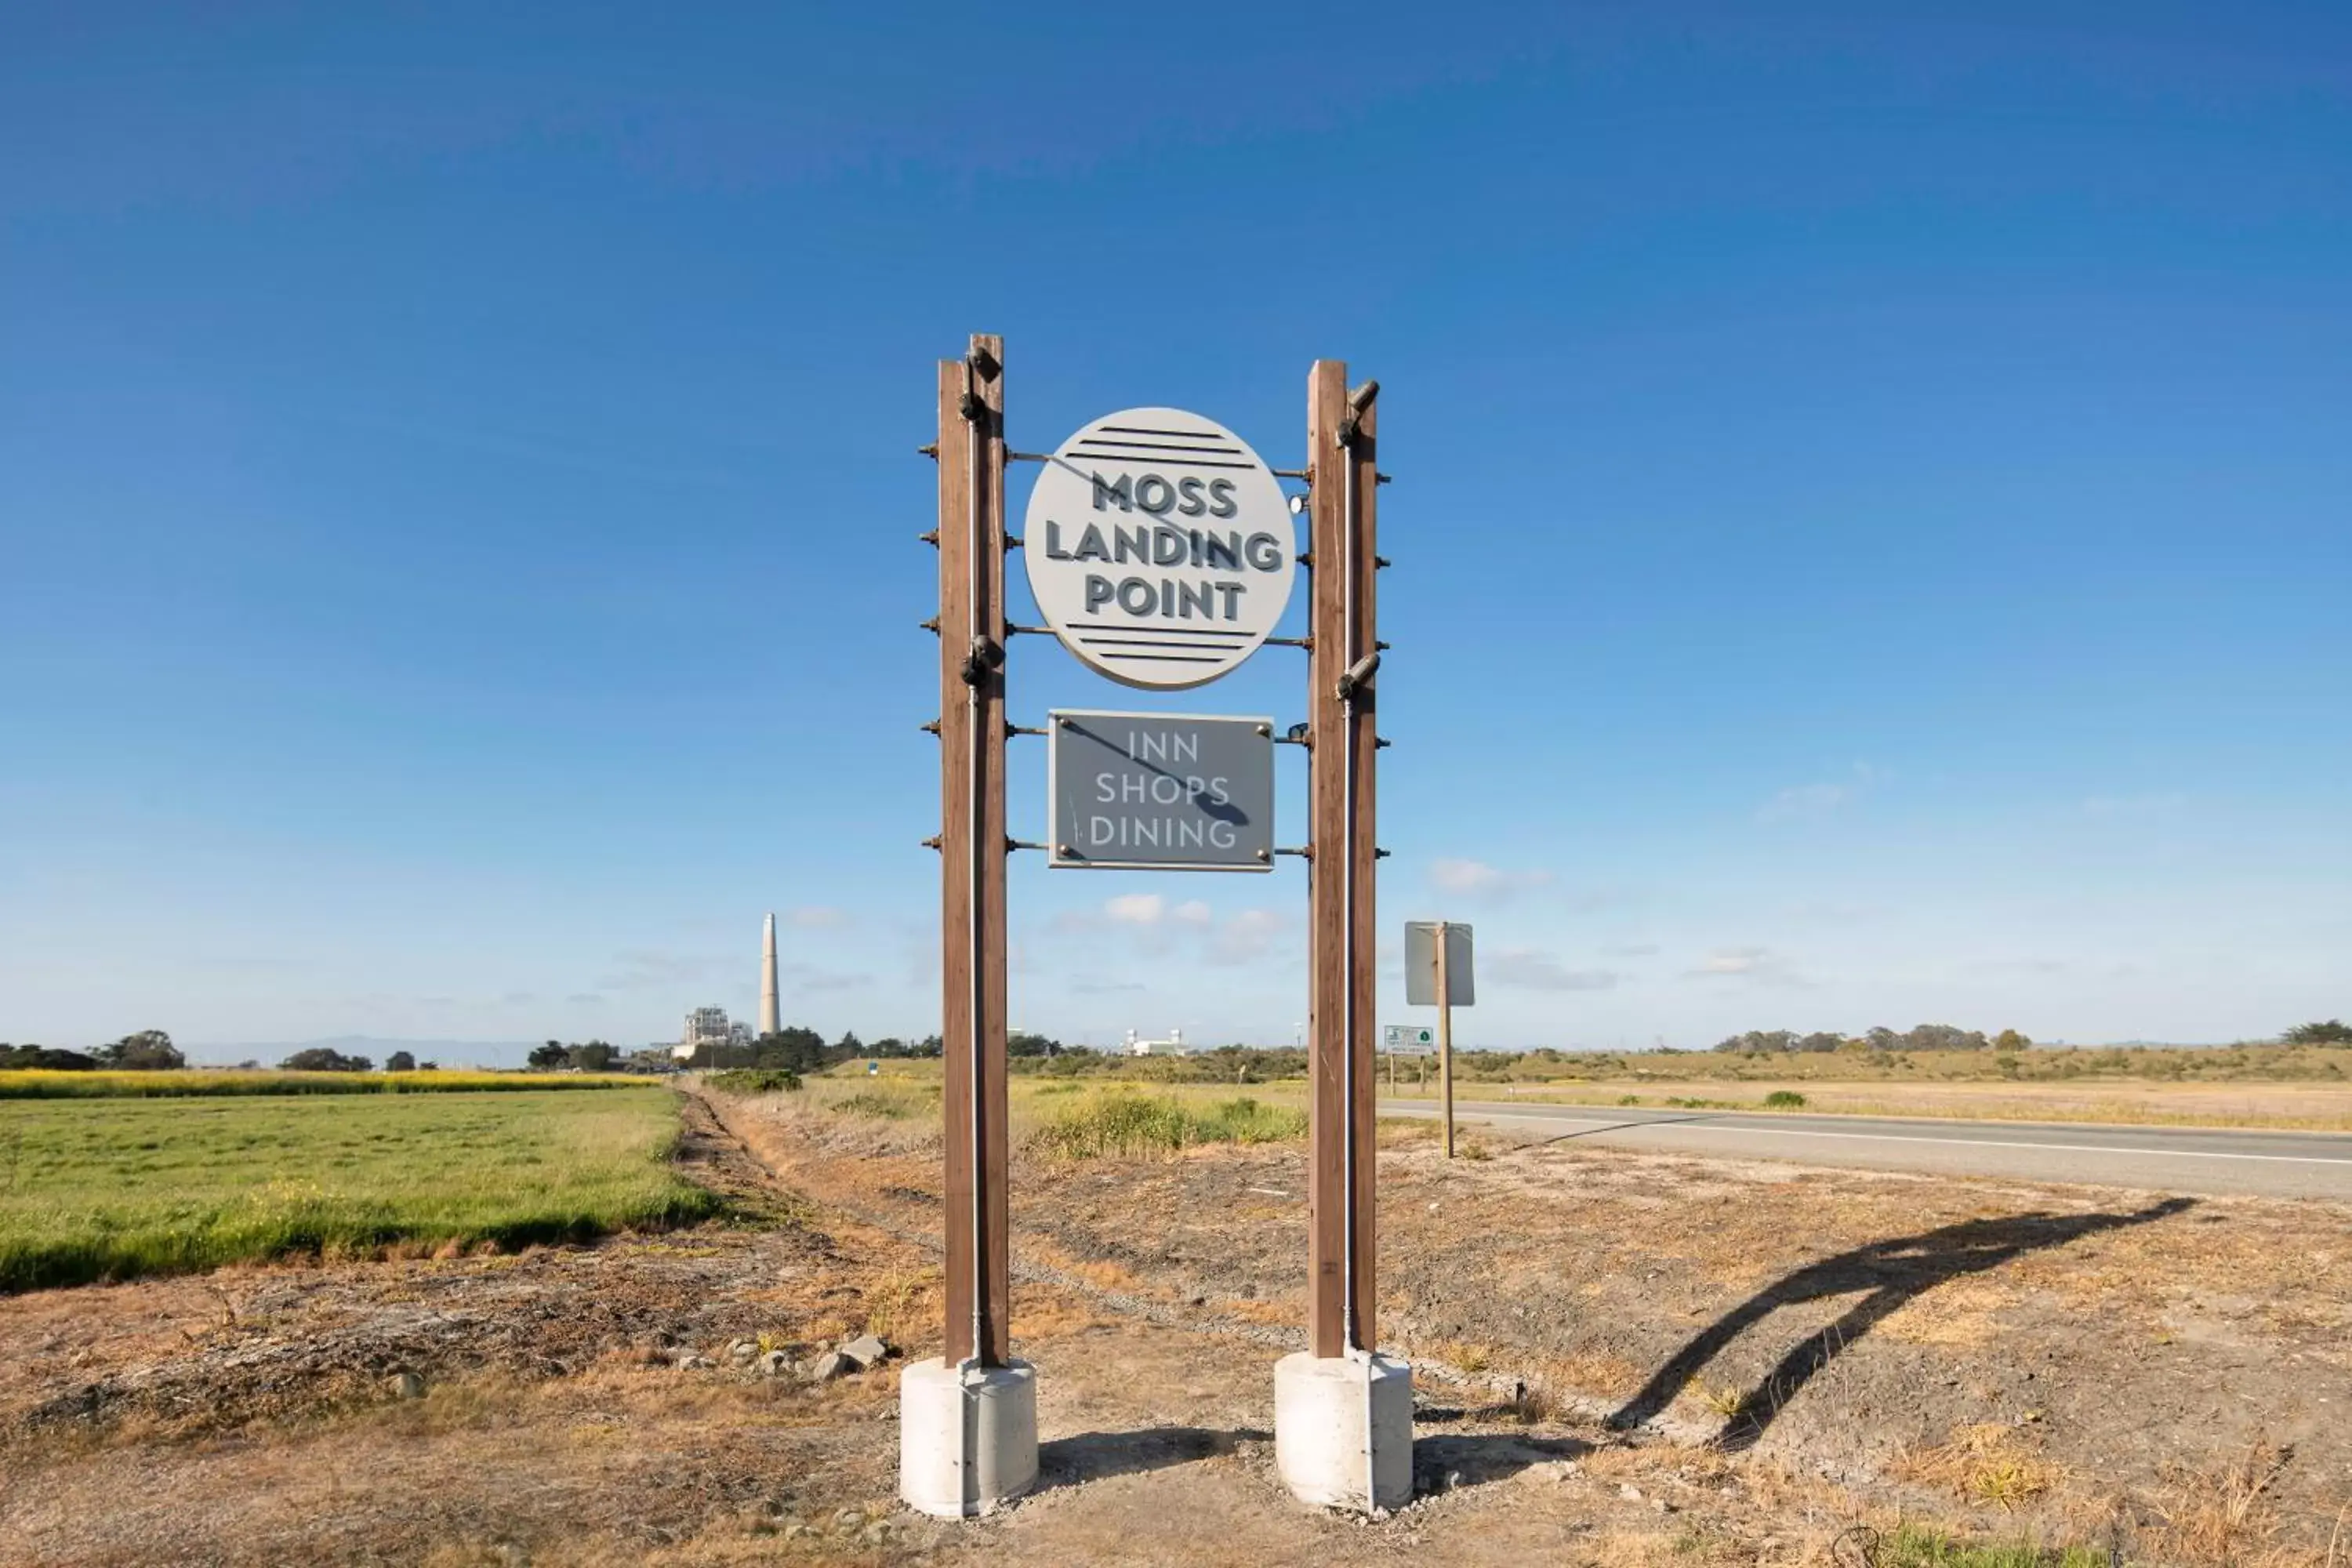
point(1445, 1037)
point(1340, 876)
point(972, 847)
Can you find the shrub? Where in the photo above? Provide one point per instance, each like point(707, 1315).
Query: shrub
point(892, 1104)
point(1784, 1099)
point(755, 1080)
point(1127, 1124)
point(318, 1058)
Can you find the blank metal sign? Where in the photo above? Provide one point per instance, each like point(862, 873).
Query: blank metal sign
point(1421, 965)
point(1160, 792)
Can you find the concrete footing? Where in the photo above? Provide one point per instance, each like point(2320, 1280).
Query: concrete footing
point(966, 1439)
point(1322, 1447)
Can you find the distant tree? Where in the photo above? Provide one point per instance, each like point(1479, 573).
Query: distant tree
point(1883, 1039)
point(549, 1056)
point(2010, 1040)
point(887, 1046)
point(319, 1059)
point(928, 1045)
point(1028, 1044)
point(1944, 1037)
point(2331, 1032)
point(47, 1057)
point(1819, 1041)
point(850, 1045)
point(149, 1050)
point(428, 1067)
point(595, 1055)
point(400, 1061)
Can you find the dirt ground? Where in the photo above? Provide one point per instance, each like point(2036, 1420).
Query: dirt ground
point(1620, 1358)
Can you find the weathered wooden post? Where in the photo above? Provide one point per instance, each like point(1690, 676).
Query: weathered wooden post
point(968, 1421)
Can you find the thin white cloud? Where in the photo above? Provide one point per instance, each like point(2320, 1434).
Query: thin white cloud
point(1247, 936)
point(1135, 908)
point(1476, 879)
point(1808, 801)
point(1529, 970)
point(1750, 965)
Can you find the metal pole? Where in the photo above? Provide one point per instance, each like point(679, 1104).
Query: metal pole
point(1445, 1037)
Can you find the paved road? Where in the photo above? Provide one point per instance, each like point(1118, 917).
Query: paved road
point(2163, 1159)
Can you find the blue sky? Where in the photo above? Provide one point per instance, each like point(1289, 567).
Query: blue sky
point(1871, 516)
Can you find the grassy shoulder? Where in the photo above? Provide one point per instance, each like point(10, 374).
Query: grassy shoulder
point(205, 1083)
point(101, 1189)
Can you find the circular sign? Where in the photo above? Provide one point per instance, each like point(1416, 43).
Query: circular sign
point(1160, 548)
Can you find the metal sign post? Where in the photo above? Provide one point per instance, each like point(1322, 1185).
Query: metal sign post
point(1437, 973)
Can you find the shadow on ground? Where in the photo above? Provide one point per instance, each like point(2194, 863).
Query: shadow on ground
point(1458, 1460)
point(1098, 1455)
point(1894, 1272)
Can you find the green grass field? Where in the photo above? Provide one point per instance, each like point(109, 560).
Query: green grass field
point(101, 1189)
point(38, 1083)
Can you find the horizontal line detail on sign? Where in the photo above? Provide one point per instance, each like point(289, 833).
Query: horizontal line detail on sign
point(1139, 628)
point(1149, 430)
point(1161, 461)
point(1161, 447)
point(1158, 658)
point(1105, 642)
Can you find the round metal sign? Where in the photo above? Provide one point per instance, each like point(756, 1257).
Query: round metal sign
point(1160, 548)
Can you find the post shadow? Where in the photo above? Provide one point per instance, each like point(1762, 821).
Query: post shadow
point(1098, 1455)
point(1894, 1272)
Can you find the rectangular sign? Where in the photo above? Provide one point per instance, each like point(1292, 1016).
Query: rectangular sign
point(1421, 965)
point(1407, 1040)
point(1159, 791)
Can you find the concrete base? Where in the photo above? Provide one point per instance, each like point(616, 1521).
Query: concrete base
point(1320, 1405)
point(967, 1441)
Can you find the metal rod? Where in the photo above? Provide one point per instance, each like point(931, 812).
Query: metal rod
point(1347, 697)
point(1445, 1035)
point(974, 412)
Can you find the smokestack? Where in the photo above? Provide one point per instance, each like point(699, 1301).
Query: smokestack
point(768, 1023)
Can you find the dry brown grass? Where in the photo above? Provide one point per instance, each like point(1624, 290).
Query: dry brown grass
point(1989, 1461)
point(2224, 1515)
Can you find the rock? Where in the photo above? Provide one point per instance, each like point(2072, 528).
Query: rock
point(690, 1361)
point(866, 1350)
point(407, 1385)
point(830, 1365)
point(742, 1350)
point(1629, 1491)
point(775, 1363)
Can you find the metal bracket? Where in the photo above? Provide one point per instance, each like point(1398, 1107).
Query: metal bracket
point(1011, 844)
point(932, 842)
point(1305, 852)
point(1307, 643)
point(931, 625)
point(987, 655)
point(1358, 675)
point(1015, 629)
point(929, 449)
point(1351, 422)
point(929, 536)
point(1022, 729)
point(931, 727)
